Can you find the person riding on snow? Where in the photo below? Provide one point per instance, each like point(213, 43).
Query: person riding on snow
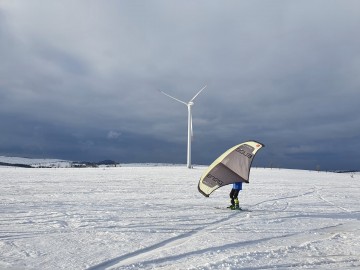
point(234, 195)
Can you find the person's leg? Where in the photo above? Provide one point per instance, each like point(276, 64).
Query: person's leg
point(232, 198)
point(236, 200)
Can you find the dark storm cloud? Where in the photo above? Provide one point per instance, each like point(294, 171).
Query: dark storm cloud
point(80, 80)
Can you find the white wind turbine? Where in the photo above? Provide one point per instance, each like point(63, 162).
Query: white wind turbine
point(190, 129)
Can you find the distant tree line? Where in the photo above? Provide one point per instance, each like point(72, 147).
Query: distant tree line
point(15, 165)
point(86, 164)
point(83, 164)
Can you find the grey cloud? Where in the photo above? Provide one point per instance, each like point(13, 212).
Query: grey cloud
point(284, 73)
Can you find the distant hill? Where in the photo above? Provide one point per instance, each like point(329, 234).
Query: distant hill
point(107, 162)
point(24, 162)
point(15, 165)
point(34, 162)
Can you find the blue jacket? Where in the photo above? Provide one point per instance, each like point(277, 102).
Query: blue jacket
point(237, 185)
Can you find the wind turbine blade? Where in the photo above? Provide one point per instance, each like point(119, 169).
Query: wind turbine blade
point(198, 93)
point(173, 98)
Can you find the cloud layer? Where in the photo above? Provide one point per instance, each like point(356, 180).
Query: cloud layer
point(80, 80)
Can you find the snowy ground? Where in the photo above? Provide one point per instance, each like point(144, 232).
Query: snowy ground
point(154, 218)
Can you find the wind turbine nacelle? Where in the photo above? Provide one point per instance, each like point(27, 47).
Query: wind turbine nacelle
point(190, 103)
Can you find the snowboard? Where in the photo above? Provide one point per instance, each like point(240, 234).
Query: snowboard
point(229, 209)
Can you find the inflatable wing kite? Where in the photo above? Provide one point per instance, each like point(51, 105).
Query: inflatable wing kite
point(232, 166)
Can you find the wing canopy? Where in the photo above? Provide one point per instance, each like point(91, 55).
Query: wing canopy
point(232, 166)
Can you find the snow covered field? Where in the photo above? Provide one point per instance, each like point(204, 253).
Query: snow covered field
point(154, 218)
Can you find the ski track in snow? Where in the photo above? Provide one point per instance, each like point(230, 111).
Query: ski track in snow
point(99, 219)
point(168, 243)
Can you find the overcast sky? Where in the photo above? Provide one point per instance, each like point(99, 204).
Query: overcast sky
point(79, 80)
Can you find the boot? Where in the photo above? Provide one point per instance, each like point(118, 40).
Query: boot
point(232, 204)
point(236, 204)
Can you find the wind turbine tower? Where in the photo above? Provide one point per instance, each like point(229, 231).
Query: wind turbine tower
point(190, 129)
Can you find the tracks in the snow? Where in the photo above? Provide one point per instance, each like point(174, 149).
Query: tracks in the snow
point(137, 256)
point(167, 251)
